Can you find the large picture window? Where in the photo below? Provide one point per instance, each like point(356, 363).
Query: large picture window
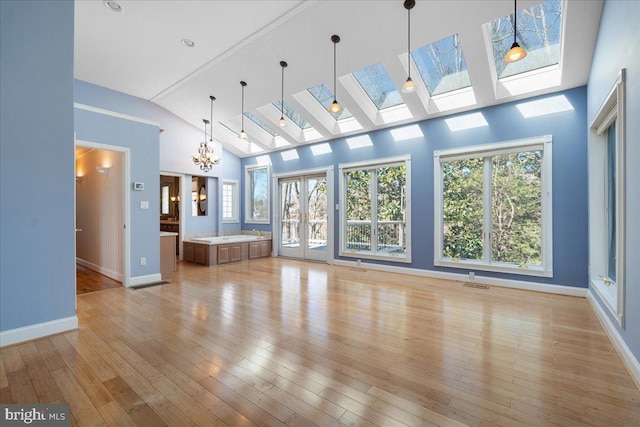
point(257, 194)
point(493, 207)
point(375, 209)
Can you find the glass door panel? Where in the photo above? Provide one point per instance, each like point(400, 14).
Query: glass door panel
point(291, 217)
point(316, 218)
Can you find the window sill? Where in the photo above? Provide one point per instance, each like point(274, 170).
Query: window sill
point(404, 258)
point(497, 268)
point(230, 221)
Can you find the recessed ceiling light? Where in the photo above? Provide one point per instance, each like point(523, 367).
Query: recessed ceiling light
point(113, 5)
point(188, 43)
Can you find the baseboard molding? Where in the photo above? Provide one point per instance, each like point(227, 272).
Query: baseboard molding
point(144, 280)
point(481, 280)
point(629, 360)
point(104, 271)
point(32, 332)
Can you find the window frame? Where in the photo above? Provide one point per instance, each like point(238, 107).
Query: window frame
point(373, 164)
point(249, 218)
point(612, 110)
point(542, 143)
point(235, 201)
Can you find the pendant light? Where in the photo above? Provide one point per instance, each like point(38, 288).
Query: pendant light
point(409, 86)
point(516, 53)
point(334, 107)
point(282, 122)
point(206, 157)
point(242, 134)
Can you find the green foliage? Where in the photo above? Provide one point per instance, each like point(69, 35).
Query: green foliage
point(516, 208)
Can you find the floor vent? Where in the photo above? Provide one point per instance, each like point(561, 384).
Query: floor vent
point(148, 285)
point(475, 285)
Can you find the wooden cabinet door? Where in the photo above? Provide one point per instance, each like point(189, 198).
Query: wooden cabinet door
point(265, 248)
point(236, 252)
point(254, 250)
point(224, 255)
point(189, 254)
point(200, 253)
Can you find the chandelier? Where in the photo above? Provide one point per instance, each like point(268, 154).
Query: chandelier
point(206, 157)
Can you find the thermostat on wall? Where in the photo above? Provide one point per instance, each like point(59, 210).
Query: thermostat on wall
point(138, 186)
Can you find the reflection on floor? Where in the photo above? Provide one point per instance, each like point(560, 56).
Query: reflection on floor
point(89, 281)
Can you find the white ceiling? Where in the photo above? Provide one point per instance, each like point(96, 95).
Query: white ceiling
point(139, 51)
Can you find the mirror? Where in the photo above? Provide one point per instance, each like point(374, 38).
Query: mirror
point(199, 196)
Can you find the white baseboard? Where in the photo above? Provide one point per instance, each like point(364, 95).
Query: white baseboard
point(32, 332)
point(481, 280)
point(632, 364)
point(144, 280)
point(102, 270)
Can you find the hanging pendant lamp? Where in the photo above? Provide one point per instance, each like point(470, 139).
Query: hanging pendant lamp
point(516, 53)
point(282, 122)
point(409, 86)
point(334, 107)
point(242, 134)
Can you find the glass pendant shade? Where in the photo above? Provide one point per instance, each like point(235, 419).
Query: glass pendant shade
point(335, 107)
point(516, 53)
point(282, 122)
point(409, 86)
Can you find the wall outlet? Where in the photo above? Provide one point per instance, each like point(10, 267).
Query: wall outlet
point(143, 261)
point(472, 276)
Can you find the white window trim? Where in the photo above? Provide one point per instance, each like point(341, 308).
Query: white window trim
point(235, 201)
point(343, 168)
point(538, 143)
point(247, 194)
point(613, 108)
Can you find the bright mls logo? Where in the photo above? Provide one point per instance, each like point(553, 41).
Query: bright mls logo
point(37, 415)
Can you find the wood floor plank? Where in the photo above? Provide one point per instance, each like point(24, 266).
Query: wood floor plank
point(278, 342)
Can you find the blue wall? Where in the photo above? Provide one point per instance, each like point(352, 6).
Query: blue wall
point(171, 151)
point(617, 47)
point(570, 221)
point(37, 275)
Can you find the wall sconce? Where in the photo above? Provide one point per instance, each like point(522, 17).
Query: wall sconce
point(79, 179)
point(104, 170)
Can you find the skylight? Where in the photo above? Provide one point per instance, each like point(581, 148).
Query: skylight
point(295, 117)
point(325, 97)
point(442, 66)
point(538, 33)
point(260, 123)
point(377, 84)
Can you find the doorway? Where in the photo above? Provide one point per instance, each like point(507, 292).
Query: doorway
point(303, 217)
point(101, 216)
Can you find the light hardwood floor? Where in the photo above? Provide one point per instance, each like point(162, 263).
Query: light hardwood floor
point(282, 342)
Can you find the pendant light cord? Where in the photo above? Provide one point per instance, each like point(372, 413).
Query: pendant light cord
point(242, 108)
point(335, 95)
point(211, 123)
point(409, 43)
point(515, 20)
point(282, 94)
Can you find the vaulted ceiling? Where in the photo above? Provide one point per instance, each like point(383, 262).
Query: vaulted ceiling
point(139, 51)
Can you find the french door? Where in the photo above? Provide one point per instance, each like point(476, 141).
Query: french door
point(303, 217)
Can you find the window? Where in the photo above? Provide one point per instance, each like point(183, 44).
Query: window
point(260, 123)
point(506, 189)
point(442, 65)
point(257, 194)
point(325, 97)
point(375, 207)
point(292, 115)
point(538, 33)
point(230, 201)
point(606, 201)
point(377, 84)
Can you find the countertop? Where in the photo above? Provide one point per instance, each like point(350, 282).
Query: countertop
point(167, 233)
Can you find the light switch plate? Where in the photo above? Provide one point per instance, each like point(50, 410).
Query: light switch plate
point(144, 205)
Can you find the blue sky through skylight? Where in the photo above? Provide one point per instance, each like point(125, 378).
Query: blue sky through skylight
point(295, 117)
point(378, 85)
point(442, 66)
point(538, 33)
point(260, 123)
point(325, 97)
